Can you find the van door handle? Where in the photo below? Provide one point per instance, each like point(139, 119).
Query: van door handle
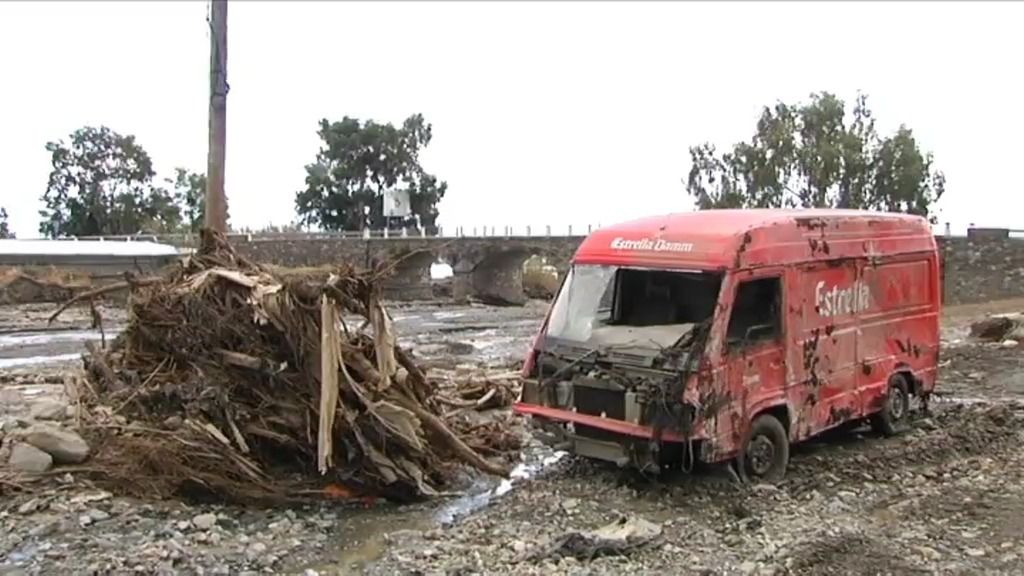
point(777, 364)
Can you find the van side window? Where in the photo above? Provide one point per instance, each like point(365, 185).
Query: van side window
point(756, 312)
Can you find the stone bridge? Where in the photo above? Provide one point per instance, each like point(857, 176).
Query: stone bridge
point(488, 268)
point(988, 264)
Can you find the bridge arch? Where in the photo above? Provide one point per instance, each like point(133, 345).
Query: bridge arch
point(494, 273)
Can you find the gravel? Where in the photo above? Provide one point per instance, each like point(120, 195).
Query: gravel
point(946, 497)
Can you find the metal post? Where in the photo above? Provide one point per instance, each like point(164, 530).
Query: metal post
point(216, 201)
point(527, 230)
point(547, 229)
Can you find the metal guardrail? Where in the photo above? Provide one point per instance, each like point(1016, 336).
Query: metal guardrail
point(457, 232)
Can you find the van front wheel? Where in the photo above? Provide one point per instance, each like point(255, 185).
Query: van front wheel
point(766, 454)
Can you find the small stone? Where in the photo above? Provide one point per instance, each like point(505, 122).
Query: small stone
point(929, 553)
point(85, 520)
point(45, 528)
point(1010, 344)
point(280, 526)
point(748, 567)
point(256, 548)
point(64, 446)
point(205, 521)
point(30, 506)
point(183, 525)
point(518, 546)
point(27, 458)
point(47, 410)
point(570, 504)
point(975, 552)
point(98, 515)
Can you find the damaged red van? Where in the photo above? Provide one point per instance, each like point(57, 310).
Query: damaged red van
point(727, 335)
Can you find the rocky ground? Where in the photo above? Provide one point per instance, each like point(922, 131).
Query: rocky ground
point(946, 497)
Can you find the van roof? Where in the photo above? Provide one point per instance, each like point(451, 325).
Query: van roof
point(721, 239)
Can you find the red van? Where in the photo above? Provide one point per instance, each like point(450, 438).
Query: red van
point(729, 334)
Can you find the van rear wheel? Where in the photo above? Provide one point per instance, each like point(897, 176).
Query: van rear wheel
point(892, 419)
point(766, 454)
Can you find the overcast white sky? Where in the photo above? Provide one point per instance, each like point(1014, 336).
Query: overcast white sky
point(543, 113)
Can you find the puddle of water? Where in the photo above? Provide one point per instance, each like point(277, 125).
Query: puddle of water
point(968, 400)
point(35, 360)
point(36, 338)
point(466, 505)
point(372, 529)
point(448, 315)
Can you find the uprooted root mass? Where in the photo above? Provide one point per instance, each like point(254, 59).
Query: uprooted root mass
point(238, 383)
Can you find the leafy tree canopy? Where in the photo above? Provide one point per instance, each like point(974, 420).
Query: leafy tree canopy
point(815, 155)
point(5, 231)
point(357, 163)
point(101, 183)
point(189, 192)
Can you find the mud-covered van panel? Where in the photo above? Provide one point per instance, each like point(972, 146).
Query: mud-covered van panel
point(725, 335)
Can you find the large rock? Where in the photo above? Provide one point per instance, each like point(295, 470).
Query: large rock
point(27, 458)
point(994, 328)
point(48, 410)
point(65, 446)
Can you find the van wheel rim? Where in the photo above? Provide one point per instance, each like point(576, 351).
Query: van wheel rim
point(897, 404)
point(760, 455)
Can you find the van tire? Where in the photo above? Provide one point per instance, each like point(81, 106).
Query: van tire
point(766, 453)
point(892, 419)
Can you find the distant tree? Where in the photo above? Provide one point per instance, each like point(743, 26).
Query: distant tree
point(271, 229)
point(357, 163)
point(101, 183)
point(813, 154)
point(189, 192)
point(5, 231)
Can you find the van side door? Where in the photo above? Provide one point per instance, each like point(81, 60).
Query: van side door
point(754, 345)
point(823, 354)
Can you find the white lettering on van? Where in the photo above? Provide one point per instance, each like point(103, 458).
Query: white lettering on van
point(649, 245)
point(836, 301)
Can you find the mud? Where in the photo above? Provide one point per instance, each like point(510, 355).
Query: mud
point(946, 497)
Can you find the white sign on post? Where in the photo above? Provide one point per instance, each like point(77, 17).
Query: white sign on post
point(396, 204)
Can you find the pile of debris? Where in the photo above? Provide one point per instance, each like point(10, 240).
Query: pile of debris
point(1005, 328)
point(29, 285)
point(235, 381)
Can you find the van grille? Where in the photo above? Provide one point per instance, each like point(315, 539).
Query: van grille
point(594, 401)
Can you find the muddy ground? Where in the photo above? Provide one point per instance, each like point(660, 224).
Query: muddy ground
point(946, 497)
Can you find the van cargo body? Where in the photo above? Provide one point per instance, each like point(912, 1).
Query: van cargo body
point(729, 334)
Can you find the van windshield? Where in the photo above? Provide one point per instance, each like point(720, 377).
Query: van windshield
point(616, 306)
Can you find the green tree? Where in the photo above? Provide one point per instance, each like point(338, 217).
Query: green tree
point(815, 155)
point(101, 183)
point(5, 231)
point(189, 192)
point(357, 163)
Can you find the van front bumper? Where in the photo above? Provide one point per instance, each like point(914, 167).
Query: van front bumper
point(607, 424)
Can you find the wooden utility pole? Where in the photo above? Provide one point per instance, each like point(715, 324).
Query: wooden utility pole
point(216, 201)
